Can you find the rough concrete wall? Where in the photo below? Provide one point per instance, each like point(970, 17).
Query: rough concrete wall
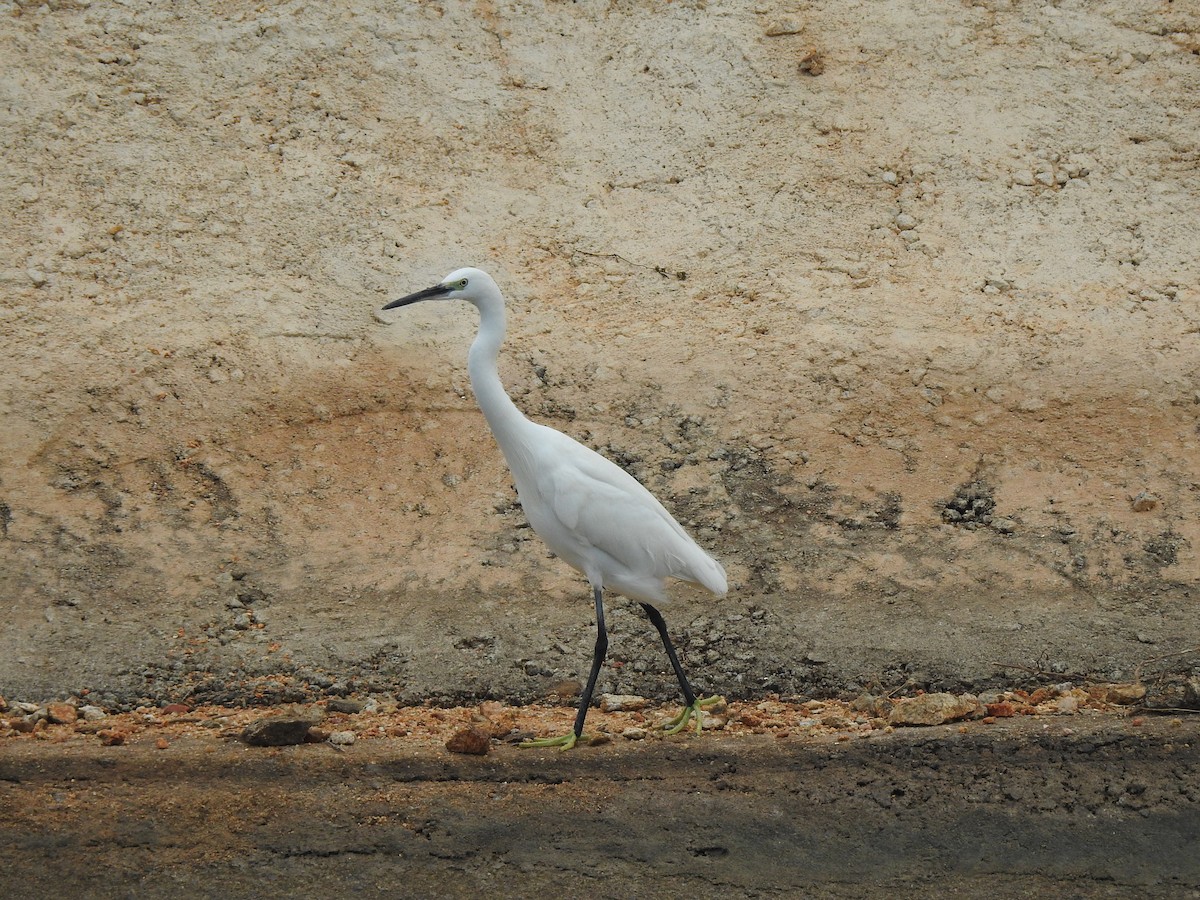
point(894, 304)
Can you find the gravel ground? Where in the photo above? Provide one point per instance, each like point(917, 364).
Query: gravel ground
point(1095, 804)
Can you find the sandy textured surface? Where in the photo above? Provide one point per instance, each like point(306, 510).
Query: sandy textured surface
point(1090, 805)
point(893, 304)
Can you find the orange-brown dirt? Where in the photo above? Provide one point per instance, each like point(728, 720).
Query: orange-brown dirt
point(775, 798)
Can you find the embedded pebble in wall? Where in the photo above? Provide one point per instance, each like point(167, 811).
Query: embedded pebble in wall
point(783, 27)
point(1143, 501)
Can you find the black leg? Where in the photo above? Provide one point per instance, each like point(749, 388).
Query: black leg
point(597, 661)
point(656, 619)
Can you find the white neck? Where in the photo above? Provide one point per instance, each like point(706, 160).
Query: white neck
point(501, 413)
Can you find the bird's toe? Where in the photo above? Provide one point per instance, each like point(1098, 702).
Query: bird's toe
point(566, 742)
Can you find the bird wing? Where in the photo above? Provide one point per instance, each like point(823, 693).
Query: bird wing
point(608, 509)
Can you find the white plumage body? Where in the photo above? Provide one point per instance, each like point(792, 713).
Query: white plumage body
point(600, 520)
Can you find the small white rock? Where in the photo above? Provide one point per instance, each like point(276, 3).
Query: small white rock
point(783, 26)
point(342, 738)
point(905, 222)
point(1143, 501)
point(622, 702)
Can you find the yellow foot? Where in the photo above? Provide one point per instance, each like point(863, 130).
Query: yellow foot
point(694, 711)
point(566, 742)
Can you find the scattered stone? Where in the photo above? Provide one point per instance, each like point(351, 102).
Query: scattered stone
point(344, 705)
point(622, 702)
point(1001, 710)
point(112, 737)
point(491, 709)
point(277, 731)
point(782, 27)
point(1068, 705)
point(634, 734)
point(933, 709)
point(471, 740)
point(176, 709)
point(1125, 694)
point(1144, 501)
point(162, 744)
point(1042, 694)
point(62, 713)
point(342, 738)
point(713, 721)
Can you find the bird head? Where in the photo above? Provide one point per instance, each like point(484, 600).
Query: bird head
point(462, 284)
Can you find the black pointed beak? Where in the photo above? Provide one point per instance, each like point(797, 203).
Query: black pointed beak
point(435, 291)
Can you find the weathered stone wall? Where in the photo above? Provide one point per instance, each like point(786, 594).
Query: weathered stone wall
point(894, 305)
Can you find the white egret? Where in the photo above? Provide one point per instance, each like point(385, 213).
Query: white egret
point(591, 513)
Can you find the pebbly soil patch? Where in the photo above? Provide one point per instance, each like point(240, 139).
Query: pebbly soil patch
point(1098, 805)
